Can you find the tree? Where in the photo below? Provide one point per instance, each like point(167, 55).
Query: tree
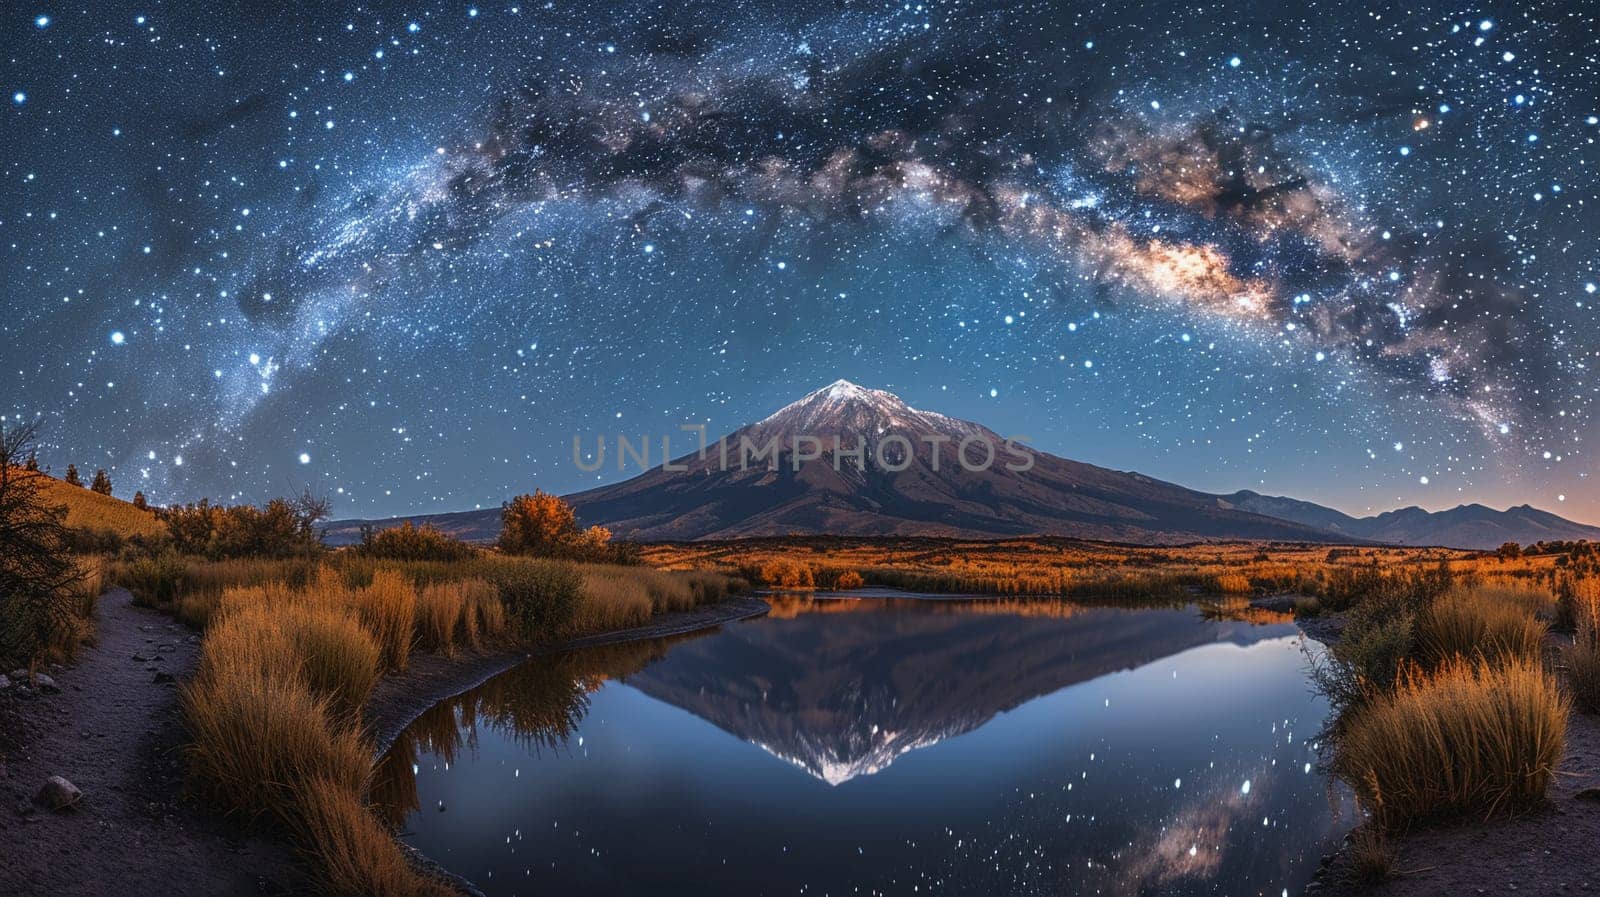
point(33, 463)
point(37, 573)
point(546, 525)
point(102, 483)
point(72, 478)
point(139, 501)
point(1509, 551)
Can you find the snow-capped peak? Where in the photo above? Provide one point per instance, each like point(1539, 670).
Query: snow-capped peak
point(844, 407)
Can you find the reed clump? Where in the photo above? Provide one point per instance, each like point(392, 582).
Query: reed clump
point(1487, 622)
point(1467, 738)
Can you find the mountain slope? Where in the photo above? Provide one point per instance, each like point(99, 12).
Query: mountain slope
point(1464, 526)
point(933, 495)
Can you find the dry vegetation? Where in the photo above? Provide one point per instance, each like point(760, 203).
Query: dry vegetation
point(293, 648)
point(1057, 567)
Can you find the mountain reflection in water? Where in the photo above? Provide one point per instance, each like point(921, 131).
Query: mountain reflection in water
point(950, 746)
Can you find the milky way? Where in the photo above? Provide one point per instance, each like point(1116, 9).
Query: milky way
point(404, 254)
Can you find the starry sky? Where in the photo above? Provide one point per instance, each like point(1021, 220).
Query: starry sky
point(403, 253)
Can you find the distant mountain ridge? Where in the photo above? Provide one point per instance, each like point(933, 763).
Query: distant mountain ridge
point(1464, 526)
point(914, 484)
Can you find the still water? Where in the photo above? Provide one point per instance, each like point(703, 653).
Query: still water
point(888, 746)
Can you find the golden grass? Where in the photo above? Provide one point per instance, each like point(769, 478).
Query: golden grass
point(1232, 583)
point(388, 609)
point(1582, 660)
point(259, 741)
point(89, 510)
point(1488, 622)
point(458, 615)
point(353, 854)
point(1467, 738)
point(1059, 567)
point(1372, 855)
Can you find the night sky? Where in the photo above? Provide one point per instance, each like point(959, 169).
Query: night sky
point(403, 253)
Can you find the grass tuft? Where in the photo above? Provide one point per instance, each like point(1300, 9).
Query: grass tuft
point(1487, 622)
point(1469, 738)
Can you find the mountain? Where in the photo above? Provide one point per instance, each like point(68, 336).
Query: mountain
point(1464, 526)
point(912, 484)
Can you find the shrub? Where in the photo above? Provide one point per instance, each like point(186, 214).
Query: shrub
point(1305, 608)
point(1467, 738)
point(408, 542)
point(545, 525)
point(1577, 602)
point(37, 576)
point(1477, 622)
point(847, 580)
point(781, 573)
point(282, 528)
point(1366, 659)
point(540, 597)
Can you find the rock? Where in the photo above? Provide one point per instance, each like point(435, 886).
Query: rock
point(161, 678)
point(58, 794)
point(5, 682)
point(140, 658)
point(46, 684)
point(1588, 794)
point(19, 674)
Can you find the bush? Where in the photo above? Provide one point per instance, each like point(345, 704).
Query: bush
point(540, 597)
point(1367, 657)
point(1582, 660)
point(407, 542)
point(282, 528)
point(781, 573)
point(847, 580)
point(38, 577)
point(1477, 622)
point(1467, 738)
point(545, 525)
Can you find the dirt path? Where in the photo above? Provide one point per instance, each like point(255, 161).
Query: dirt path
point(115, 733)
point(1549, 851)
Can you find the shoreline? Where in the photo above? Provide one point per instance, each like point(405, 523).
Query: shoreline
point(400, 699)
point(1544, 851)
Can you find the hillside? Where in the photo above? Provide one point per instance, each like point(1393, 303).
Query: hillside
point(102, 513)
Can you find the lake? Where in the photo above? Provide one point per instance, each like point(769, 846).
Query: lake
point(888, 745)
